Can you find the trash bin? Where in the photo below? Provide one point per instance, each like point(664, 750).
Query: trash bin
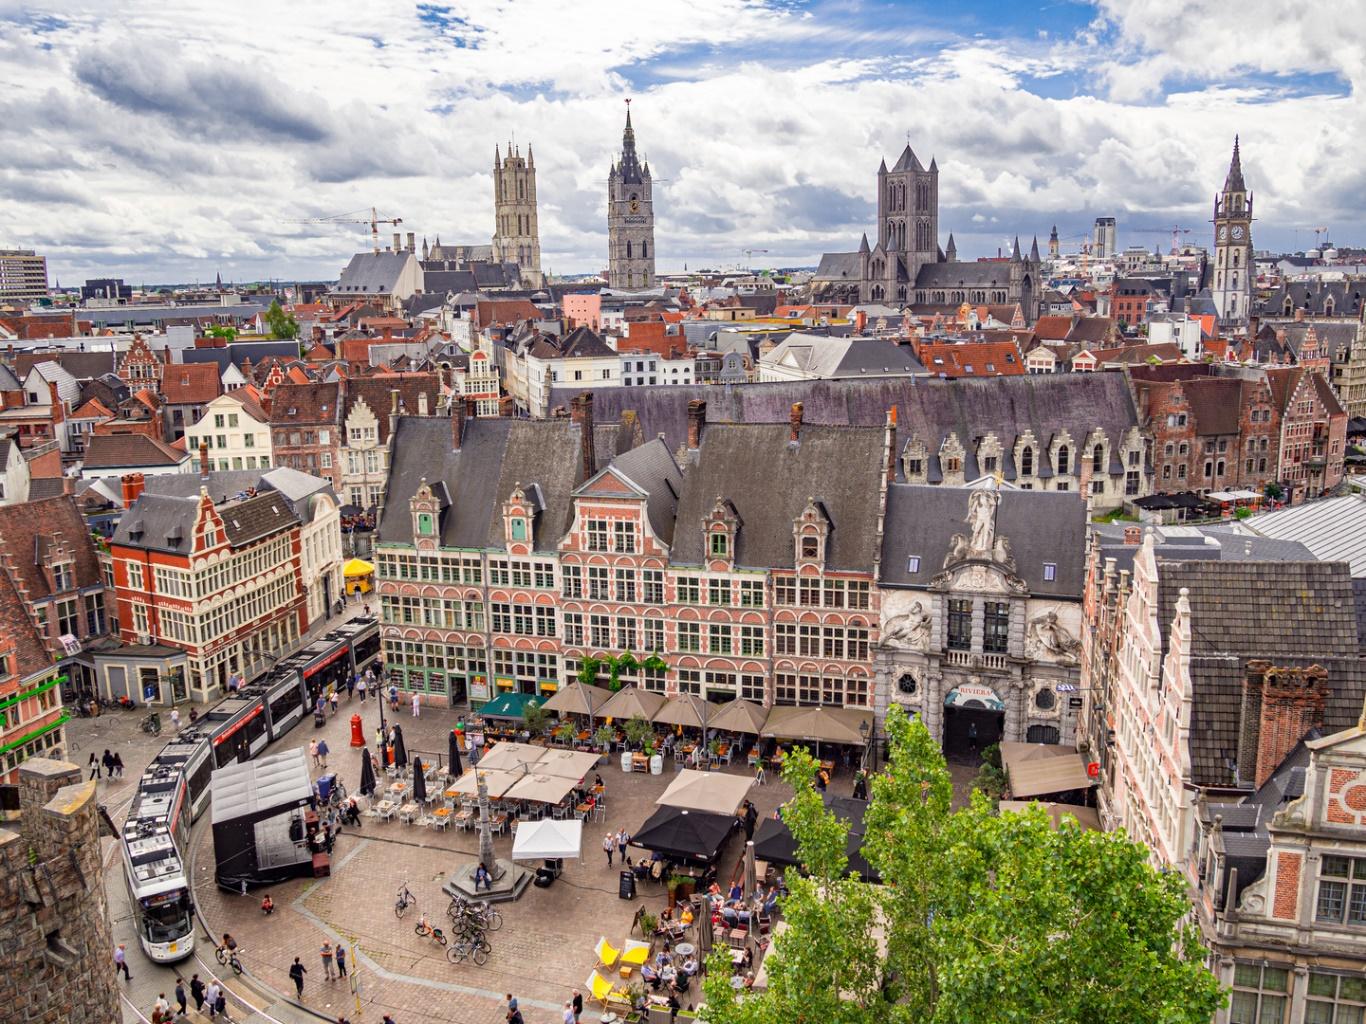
point(656, 764)
point(626, 888)
point(626, 761)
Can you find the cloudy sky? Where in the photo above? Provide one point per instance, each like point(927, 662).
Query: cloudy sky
point(169, 141)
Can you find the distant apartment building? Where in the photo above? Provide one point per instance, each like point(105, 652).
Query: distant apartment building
point(23, 275)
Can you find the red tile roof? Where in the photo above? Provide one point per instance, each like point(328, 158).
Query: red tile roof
point(1053, 328)
point(191, 383)
point(116, 451)
point(973, 359)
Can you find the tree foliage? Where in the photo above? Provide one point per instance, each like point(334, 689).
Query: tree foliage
point(981, 918)
point(223, 331)
point(282, 325)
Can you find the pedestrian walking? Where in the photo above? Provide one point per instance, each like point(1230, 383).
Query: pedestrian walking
point(161, 1009)
point(121, 962)
point(197, 992)
point(220, 1003)
point(568, 1014)
point(417, 706)
point(175, 720)
point(609, 843)
point(332, 699)
point(329, 961)
point(622, 839)
point(118, 765)
point(362, 685)
point(861, 786)
point(577, 1002)
point(94, 765)
point(351, 687)
point(211, 996)
point(341, 960)
point(180, 996)
point(313, 752)
point(393, 697)
point(512, 1005)
point(296, 974)
point(386, 1019)
point(323, 752)
point(108, 761)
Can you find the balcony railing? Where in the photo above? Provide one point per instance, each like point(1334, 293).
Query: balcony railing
point(975, 659)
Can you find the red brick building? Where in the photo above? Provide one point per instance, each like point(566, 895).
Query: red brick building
point(305, 425)
point(222, 582)
point(1313, 432)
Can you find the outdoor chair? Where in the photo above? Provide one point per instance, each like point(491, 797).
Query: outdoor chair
point(607, 953)
point(634, 954)
point(608, 995)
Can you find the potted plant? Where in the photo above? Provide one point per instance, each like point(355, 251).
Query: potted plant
point(536, 719)
point(604, 737)
point(565, 732)
point(636, 730)
point(680, 888)
point(648, 924)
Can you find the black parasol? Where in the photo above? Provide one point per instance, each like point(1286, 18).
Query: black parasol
point(455, 766)
point(400, 751)
point(419, 782)
point(367, 774)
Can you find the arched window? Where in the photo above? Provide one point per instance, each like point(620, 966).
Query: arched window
point(644, 250)
point(519, 190)
point(1098, 459)
point(1027, 461)
point(1063, 459)
point(628, 250)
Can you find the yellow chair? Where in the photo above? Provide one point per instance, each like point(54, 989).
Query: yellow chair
point(608, 954)
point(603, 991)
point(635, 954)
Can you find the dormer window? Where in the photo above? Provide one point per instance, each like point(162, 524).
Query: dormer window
point(210, 537)
point(62, 577)
point(426, 524)
point(720, 545)
point(517, 528)
point(810, 547)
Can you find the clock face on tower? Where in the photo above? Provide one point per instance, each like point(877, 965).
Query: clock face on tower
point(633, 203)
point(1237, 232)
point(1223, 234)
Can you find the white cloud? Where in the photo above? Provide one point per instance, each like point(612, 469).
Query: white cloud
point(174, 140)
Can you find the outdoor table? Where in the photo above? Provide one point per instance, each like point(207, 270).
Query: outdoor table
point(441, 817)
point(753, 756)
point(397, 787)
point(407, 813)
point(498, 822)
point(737, 957)
point(463, 818)
point(583, 809)
point(385, 809)
point(685, 949)
point(829, 766)
point(452, 794)
point(737, 982)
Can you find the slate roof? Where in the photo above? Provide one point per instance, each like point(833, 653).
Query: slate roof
point(162, 522)
point(254, 518)
point(81, 365)
point(927, 409)
point(652, 468)
point(373, 273)
point(240, 351)
point(838, 266)
point(986, 274)
point(314, 402)
point(190, 383)
point(1302, 613)
point(580, 343)
point(1041, 526)
point(121, 451)
point(768, 480)
point(495, 456)
point(225, 485)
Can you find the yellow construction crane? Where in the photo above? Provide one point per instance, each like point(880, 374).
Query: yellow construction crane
point(374, 221)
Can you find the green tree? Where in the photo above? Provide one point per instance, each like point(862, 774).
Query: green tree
point(222, 331)
point(981, 918)
point(282, 325)
point(535, 717)
point(588, 670)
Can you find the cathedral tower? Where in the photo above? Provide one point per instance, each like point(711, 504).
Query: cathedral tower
point(516, 235)
point(630, 218)
point(1233, 268)
point(907, 227)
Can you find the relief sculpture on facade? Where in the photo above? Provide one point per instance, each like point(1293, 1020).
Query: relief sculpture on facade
point(1048, 638)
point(910, 629)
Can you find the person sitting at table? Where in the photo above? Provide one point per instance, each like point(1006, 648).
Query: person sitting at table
point(690, 967)
point(668, 974)
point(685, 918)
point(714, 894)
point(650, 976)
point(749, 979)
point(737, 892)
point(663, 958)
point(734, 916)
point(770, 903)
point(482, 877)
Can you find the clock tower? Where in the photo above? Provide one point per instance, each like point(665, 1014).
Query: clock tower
point(1233, 269)
point(630, 218)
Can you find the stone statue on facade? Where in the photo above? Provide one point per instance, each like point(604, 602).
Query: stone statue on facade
point(982, 520)
point(1048, 637)
point(910, 629)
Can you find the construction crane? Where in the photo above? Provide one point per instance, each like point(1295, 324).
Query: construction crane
point(1175, 231)
point(374, 221)
point(749, 255)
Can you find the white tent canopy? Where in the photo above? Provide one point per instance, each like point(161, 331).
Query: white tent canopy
point(713, 792)
point(550, 839)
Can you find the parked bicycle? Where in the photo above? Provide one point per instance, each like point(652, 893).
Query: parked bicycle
point(337, 796)
point(229, 958)
point(462, 948)
point(424, 929)
point(152, 724)
point(483, 915)
point(405, 900)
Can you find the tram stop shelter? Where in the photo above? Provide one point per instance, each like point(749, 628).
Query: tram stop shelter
point(260, 820)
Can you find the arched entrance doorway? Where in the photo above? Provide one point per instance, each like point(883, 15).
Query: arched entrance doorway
point(974, 718)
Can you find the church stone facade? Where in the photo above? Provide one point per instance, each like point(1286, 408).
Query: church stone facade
point(516, 235)
point(981, 612)
point(907, 266)
point(630, 218)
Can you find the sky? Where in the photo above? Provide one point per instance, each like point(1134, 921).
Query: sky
point(172, 141)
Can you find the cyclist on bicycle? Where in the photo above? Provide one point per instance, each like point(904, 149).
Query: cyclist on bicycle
point(229, 944)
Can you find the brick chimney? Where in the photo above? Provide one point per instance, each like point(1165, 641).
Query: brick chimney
point(1280, 705)
point(891, 445)
point(1133, 534)
point(412, 241)
point(581, 412)
point(697, 419)
point(794, 423)
point(133, 484)
point(1299, 315)
point(203, 460)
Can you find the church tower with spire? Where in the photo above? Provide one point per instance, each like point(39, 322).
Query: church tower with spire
point(630, 218)
point(1231, 282)
point(516, 234)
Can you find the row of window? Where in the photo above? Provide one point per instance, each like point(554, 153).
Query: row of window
point(820, 641)
point(517, 573)
point(1262, 995)
point(432, 611)
point(815, 592)
point(67, 614)
point(442, 568)
point(995, 625)
point(204, 627)
point(834, 691)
